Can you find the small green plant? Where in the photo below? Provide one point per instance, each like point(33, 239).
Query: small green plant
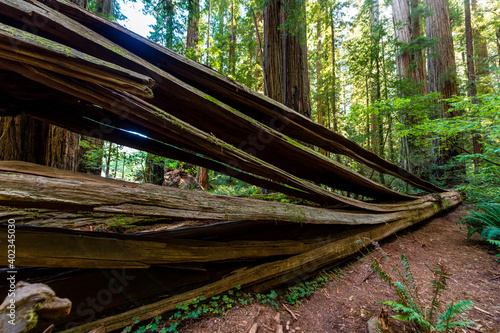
point(304, 289)
point(296, 293)
point(485, 221)
point(497, 244)
point(409, 304)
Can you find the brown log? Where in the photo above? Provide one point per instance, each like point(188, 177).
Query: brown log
point(300, 264)
point(73, 219)
point(23, 47)
point(21, 189)
point(44, 247)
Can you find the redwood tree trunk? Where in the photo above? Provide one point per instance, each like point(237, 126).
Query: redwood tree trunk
point(273, 52)
point(442, 72)
point(193, 29)
point(286, 67)
point(471, 77)
point(23, 138)
point(480, 45)
point(419, 58)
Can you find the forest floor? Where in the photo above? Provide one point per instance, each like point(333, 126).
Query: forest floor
point(347, 303)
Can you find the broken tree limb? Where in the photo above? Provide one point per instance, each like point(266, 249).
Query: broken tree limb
point(47, 247)
point(72, 219)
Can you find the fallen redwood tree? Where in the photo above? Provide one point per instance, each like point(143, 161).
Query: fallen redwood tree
point(93, 77)
point(268, 253)
point(29, 185)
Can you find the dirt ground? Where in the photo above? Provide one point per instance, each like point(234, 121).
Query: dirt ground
point(345, 305)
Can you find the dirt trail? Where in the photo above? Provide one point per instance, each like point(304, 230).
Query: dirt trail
point(346, 305)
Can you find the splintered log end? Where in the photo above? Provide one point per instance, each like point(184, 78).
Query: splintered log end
point(22, 307)
point(101, 329)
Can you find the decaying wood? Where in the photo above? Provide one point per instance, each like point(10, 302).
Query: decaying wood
point(29, 302)
point(18, 45)
point(161, 122)
point(73, 219)
point(299, 264)
point(26, 190)
point(46, 247)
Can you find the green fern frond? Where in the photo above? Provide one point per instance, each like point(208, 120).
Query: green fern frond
point(445, 320)
point(485, 221)
point(439, 285)
point(410, 315)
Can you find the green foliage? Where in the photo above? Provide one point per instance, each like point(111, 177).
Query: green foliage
point(220, 304)
point(295, 293)
point(223, 184)
point(484, 221)
point(203, 306)
point(497, 244)
point(410, 306)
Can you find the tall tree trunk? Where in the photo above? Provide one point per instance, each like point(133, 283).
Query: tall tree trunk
point(471, 71)
point(232, 44)
point(471, 77)
point(297, 72)
point(334, 76)
point(376, 119)
point(273, 51)
point(208, 32)
point(402, 31)
point(410, 67)
point(480, 45)
point(108, 162)
point(286, 68)
point(63, 149)
point(319, 78)
point(419, 58)
point(193, 29)
point(260, 53)
point(442, 72)
point(23, 138)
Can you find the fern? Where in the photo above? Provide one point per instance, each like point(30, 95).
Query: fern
point(409, 304)
point(497, 244)
point(445, 320)
point(439, 285)
point(485, 221)
point(410, 315)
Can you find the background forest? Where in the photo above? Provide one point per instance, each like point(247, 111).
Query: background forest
point(416, 82)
